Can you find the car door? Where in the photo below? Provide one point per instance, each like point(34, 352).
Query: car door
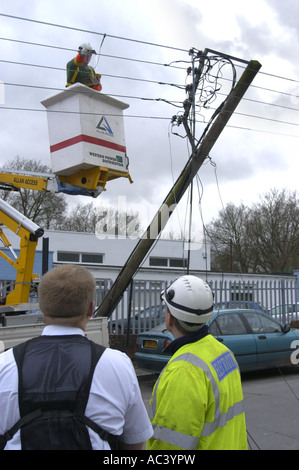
point(230, 329)
point(279, 342)
point(273, 346)
point(260, 337)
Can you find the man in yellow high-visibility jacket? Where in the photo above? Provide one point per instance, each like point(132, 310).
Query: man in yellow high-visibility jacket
point(197, 401)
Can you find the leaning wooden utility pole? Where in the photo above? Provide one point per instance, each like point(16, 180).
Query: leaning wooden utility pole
point(176, 193)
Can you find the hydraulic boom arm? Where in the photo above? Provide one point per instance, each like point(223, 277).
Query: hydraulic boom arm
point(88, 182)
point(29, 233)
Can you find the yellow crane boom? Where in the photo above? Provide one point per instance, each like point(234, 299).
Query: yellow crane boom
point(29, 233)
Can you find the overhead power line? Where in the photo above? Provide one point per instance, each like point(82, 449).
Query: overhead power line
point(18, 108)
point(140, 79)
point(119, 38)
point(164, 118)
point(92, 32)
point(103, 74)
point(175, 103)
point(291, 95)
point(141, 61)
point(271, 90)
point(126, 58)
point(134, 97)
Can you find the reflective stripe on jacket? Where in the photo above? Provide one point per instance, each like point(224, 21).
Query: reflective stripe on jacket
point(197, 401)
point(79, 72)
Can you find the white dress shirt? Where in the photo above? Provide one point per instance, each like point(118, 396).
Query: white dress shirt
point(114, 403)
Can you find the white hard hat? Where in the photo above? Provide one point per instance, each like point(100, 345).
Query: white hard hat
point(86, 49)
point(189, 299)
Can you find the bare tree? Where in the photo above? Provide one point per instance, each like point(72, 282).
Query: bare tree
point(229, 239)
point(274, 231)
point(263, 238)
point(104, 221)
point(82, 218)
point(44, 208)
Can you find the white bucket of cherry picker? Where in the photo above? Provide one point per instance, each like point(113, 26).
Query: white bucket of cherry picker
point(86, 130)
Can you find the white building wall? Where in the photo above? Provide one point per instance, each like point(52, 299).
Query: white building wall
point(268, 289)
point(116, 251)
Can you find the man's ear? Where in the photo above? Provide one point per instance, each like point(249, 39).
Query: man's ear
point(168, 317)
point(91, 309)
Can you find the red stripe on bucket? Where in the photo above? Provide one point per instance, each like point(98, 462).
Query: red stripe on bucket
point(88, 139)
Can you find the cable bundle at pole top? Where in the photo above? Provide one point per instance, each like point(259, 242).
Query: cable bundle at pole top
point(206, 73)
point(215, 82)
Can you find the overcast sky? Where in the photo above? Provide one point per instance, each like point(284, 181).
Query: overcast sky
point(257, 152)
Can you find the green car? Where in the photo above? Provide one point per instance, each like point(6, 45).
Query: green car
point(257, 341)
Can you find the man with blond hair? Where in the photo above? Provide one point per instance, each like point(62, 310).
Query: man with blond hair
point(61, 391)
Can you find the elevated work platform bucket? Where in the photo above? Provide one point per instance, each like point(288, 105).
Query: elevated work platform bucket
point(86, 131)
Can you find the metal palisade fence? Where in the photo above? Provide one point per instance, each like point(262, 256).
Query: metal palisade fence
point(274, 297)
point(140, 308)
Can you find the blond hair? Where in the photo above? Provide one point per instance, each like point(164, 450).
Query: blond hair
point(66, 292)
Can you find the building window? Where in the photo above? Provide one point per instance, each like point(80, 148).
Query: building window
point(92, 258)
point(88, 258)
point(177, 263)
point(68, 257)
point(167, 262)
point(158, 262)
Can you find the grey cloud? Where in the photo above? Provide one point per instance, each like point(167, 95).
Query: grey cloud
point(287, 12)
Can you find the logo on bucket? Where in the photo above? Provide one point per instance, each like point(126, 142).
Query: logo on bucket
point(103, 125)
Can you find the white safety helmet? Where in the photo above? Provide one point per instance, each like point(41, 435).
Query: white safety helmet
point(190, 300)
point(86, 50)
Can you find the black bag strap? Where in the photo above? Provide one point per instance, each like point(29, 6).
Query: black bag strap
point(96, 353)
point(8, 435)
point(104, 435)
point(78, 414)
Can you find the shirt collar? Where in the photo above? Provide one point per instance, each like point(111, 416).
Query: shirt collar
point(60, 330)
point(187, 339)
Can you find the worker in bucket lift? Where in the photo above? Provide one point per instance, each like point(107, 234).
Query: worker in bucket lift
point(78, 70)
